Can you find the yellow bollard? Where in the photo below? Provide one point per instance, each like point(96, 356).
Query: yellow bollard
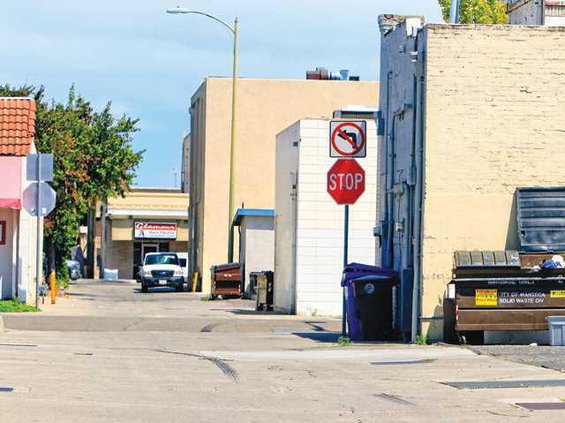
point(53, 287)
point(194, 282)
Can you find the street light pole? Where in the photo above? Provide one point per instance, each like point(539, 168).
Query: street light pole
point(233, 140)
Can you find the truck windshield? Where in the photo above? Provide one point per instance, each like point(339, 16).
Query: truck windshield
point(162, 259)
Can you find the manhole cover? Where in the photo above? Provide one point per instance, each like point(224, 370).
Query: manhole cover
point(501, 384)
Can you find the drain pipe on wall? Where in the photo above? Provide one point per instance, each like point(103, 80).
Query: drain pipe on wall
point(386, 251)
point(454, 12)
point(420, 162)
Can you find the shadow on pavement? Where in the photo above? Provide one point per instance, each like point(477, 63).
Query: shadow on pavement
point(154, 290)
point(251, 312)
point(319, 336)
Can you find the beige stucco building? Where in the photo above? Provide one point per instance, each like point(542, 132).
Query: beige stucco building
point(265, 107)
point(144, 221)
point(471, 113)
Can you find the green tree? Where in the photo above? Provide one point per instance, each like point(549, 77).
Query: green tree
point(477, 11)
point(93, 159)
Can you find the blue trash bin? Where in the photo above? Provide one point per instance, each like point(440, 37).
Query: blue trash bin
point(369, 301)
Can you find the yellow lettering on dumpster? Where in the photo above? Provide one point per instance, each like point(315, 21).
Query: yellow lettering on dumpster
point(486, 297)
point(557, 293)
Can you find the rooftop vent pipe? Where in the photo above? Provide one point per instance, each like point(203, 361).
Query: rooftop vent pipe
point(324, 74)
point(454, 12)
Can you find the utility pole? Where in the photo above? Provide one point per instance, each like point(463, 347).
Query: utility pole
point(234, 30)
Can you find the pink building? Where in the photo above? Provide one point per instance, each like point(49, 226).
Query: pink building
point(17, 226)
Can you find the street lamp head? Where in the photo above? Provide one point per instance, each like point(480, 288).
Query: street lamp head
point(177, 10)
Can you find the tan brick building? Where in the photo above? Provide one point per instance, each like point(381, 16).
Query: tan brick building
point(471, 113)
point(265, 107)
point(146, 220)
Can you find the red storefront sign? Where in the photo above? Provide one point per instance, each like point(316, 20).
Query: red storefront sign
point(155, 230)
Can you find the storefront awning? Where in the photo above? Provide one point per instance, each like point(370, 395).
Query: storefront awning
point(147, 214)
point(10, 182)
point(10, 203)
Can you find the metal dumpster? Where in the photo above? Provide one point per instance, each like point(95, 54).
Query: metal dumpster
point(226, 280)
point(506, 290)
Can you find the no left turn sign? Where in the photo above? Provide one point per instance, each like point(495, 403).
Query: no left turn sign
point(348, 138)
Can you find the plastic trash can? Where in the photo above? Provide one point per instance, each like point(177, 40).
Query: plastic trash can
point(369, 298)
point(556, 330)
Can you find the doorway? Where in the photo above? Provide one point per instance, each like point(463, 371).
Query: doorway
point(148, 248)
point(6, 255)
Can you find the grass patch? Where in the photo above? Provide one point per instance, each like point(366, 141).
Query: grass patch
point(62, 283)
point(343, 341)
point(13, 306)
point(421, 340)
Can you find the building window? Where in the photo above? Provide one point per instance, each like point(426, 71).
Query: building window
point(2, 232)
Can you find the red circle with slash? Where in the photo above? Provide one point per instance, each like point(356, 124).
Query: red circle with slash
point(339, 130)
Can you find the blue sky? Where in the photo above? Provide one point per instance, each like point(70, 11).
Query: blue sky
point(149, 63)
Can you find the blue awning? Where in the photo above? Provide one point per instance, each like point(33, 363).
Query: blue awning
point(251, 212)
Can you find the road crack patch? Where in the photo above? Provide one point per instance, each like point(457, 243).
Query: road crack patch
point(210, 327)
point(132, 325)
point(394, 399)
point(221, 364)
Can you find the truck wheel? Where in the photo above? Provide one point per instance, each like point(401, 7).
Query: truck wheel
point(180, 287)
point(144, 287)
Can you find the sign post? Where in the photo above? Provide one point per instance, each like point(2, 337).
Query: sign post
point(346, 183)
point(345, 259)
point(38, 257)
point(39, 200)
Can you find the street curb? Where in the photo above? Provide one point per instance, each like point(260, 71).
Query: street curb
point(1, 324)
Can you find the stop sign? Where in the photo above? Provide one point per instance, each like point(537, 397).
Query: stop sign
point(346, 181)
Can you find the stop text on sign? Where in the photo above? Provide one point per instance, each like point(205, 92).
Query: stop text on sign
point(346, 181)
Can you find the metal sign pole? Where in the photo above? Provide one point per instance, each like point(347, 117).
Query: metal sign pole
point(345, 251)
point(38, 258)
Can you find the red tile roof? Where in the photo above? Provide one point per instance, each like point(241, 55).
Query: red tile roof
point(17, 125)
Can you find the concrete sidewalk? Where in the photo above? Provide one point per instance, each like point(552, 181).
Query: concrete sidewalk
point(98, 306)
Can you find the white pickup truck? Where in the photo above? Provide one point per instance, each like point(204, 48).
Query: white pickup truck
point(161, 269)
